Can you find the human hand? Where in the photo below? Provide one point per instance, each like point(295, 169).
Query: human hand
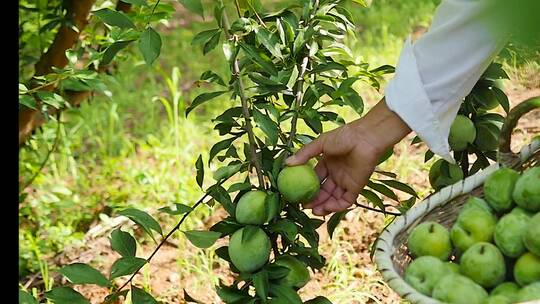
point(349, 155)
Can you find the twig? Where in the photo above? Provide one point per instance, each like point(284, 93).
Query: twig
point(249, 128)
point(44, 162)
point(152, 14)
point(377, 210)
point(162, 242)
point(245, 108)
point(298, 100)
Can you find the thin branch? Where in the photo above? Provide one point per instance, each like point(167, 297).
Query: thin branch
point(298, 100)
point(152, 14)
point(44, 162)
point(245, 108)
point(249, 128)
point(377, 210)
point(165, 240)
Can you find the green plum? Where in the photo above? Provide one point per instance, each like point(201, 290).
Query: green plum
point(430, 238)
point(498, 189)
point(531, 238)
point(527, 190)
point(530, 292)
point(424, 272)
point(509, 233)
point(458, 289)
point(527, 269)
point(484, 263)
point(472, 225)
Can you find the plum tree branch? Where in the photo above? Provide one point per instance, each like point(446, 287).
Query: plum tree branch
point(165, 239)
point(245, 108)
point(299, 95)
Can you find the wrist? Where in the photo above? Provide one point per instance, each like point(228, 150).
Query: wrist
point(381, 128)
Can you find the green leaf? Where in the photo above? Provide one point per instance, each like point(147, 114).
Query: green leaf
point(51, 99)
point(353, 99)
point(399, 186)
point(222, 196)
point(126, 265)
point(383, 190)
point(226, 172)
point(28, 101)
point(495, 71)
point(270, 42)
point(193, 6)
point(123, 243)
point(249, 232)
point(429, 154)
point(136, 2)
point(210, 76)
point(501, 98)
point(334, 220)
point(259, 58)
point(384, 69)
point(179, 209)
point(232, 295)
point(143, 219)
point(202, 238)
point(114, 18)
point(284, 295)
point(330, 66)
point(239, 187)
point(200, 171)
point(26, 298)
point(204, 97)
point(220, 146)
point(318, 299)
point(373, 198)
point(260, 281)
point(361, 2)
point(112, 50)
point(65, 295)
point(285, 227)
point(204, 36)
point(267, 125)
point(226, 227)
point(79, 273)
point(212, 43)
point(139, 296)
point(150, 45)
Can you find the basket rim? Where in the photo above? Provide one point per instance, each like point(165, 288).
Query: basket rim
point(384, 249)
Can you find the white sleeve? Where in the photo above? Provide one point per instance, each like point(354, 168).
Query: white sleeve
point(437, 71)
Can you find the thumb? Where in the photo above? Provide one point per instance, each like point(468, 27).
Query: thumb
point(307, 152)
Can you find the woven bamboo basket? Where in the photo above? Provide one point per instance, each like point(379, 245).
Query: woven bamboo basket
point(391, 252)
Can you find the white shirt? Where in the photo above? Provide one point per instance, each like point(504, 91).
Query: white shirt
point(436, 72)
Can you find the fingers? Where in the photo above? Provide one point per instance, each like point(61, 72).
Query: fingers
point(325, 193)
point(321, 170)
point(338, 201)
point(307, 152)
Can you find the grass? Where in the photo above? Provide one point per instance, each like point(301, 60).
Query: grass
point(135, 148)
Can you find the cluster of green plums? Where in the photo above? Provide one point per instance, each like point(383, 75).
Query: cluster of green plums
point(491, 254)
point(250, 247)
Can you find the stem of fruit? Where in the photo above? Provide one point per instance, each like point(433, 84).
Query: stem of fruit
point(299, 94)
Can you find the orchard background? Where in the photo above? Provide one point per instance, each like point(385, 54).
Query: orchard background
point(123, 140)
